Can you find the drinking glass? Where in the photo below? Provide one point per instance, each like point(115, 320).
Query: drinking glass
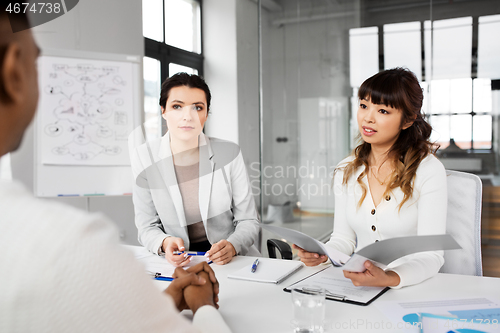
point(308, 309)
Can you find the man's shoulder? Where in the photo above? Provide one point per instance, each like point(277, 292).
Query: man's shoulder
point(22, 211)
point(13, 193)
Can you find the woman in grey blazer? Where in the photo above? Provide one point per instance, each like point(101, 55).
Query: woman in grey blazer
point(191, 191)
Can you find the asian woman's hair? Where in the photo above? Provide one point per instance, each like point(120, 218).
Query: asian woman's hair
point(398, 88)
point(184, 79)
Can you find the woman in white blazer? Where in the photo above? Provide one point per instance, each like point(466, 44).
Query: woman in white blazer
point(192, 192)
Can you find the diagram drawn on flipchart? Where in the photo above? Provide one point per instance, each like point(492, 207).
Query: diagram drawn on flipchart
point(86, 111)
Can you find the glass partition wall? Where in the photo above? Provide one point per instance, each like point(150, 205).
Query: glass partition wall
point(314, 54)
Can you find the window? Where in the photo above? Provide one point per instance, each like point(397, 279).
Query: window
point(172, 33)
point(182, 24)
point(176, 68)
point(152, 85)
point(457, 91)
point(152, 20)
point(461, 110)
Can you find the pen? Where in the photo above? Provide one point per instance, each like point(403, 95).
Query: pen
point(254, 265)
point(191, 253)
point(162, 278)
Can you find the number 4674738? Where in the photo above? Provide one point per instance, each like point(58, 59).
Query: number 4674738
point(37, 7)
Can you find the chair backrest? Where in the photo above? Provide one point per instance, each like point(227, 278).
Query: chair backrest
point(464, 223)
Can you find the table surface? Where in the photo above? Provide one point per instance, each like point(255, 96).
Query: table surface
point(263, 307)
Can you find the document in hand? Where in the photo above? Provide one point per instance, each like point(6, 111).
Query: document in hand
point(381, 253)
point(268, 270)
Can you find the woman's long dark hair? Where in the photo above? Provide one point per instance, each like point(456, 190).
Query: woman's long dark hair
point(399, 89)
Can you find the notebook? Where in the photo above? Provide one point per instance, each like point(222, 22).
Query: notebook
point(269, 270)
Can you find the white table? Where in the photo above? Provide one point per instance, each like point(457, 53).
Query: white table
point(261, 307)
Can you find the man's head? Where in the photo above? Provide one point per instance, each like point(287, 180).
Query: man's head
point(18, 81)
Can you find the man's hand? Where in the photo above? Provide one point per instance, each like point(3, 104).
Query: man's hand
point(182, 280)
point(171, 244)
point(197, 296)
point(373, 276)
point(205, 267)
point(222, 252)
point(309, 258)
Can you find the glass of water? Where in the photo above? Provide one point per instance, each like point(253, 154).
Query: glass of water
point(308, 309)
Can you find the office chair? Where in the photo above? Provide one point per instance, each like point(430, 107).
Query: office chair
point(284, 249)
point(463, 222)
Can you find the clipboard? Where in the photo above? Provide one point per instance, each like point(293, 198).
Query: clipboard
point(333, 280)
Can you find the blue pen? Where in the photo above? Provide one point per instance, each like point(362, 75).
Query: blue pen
point(191, 253)
point(162, 278)
point(254, 265)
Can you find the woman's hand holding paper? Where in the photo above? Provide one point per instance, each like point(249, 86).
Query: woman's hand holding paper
point(373, 276)
point(309, 258)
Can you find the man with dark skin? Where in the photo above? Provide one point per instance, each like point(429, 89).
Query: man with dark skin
point(142, 308)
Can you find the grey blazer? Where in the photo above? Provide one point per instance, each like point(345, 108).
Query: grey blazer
point(226, 203)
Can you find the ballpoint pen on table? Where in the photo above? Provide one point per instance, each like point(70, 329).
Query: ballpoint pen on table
point(158, 276)
point(254, 265)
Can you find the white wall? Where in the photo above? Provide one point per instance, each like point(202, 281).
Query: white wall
point(219, 49)
point(98, 26)
point(231, 50)
point(248, 79)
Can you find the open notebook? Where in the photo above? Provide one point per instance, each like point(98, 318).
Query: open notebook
point(268, 270)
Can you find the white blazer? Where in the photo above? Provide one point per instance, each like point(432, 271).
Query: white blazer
point(226, 203)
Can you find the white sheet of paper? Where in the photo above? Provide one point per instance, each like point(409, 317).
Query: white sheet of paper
point(356, 263)
point(269, 270)
point(384, 251)
point(438, 324)
point(405, 313)
point(86, 111)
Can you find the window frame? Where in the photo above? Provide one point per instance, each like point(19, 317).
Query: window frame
point(472, 113)
point(167, 54)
